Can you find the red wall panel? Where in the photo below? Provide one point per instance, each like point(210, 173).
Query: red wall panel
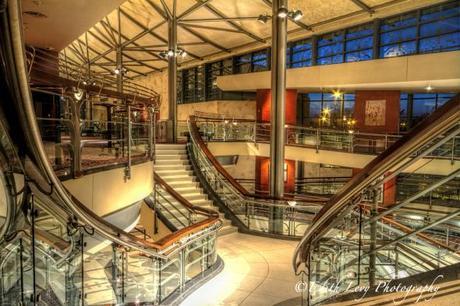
point(263, 175)
point(264, 100)
point(392, 110)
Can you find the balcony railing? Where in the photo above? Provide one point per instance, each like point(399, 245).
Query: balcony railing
point(358, 240)
point(253, 213)
point(228, 130)
point(101, 144)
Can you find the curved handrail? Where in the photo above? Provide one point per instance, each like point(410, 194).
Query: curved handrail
point(211, 214)
point(429, 129)
point(36, 150)
point(204, 148)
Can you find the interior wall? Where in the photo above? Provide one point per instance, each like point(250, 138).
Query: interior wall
point(107, 191)
point(407, 73)
point(158, 81)
point(262, 173)
point(244, 168)
point(316, 170)
point(264, 100)
point(232, 109)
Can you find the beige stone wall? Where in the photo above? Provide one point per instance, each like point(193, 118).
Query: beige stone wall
point(237, 109)
point(107, 191)
point(244, 168)
point(315, 170)
point(158, 81)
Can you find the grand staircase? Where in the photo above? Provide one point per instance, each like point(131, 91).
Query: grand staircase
point(173, 166)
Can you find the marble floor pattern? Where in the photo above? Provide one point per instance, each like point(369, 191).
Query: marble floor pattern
point(257, 271)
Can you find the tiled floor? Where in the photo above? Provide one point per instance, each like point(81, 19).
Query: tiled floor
point(257, 272)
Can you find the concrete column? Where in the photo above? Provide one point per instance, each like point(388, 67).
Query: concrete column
point(278, 107)
point(278, 110)
point(172, 79)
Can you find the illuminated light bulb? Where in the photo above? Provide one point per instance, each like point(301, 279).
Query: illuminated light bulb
point(429, 88)
point(116, 71)
point(326, 111)
point(283, 12)
point(337, 94)
point(170, 53)
point(183, 54)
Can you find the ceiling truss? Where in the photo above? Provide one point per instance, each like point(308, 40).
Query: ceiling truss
point(115, 40)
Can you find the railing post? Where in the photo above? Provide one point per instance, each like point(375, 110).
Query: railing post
point(373, 237)
point(151, 135)
point(129, 139)
point(317, 139)
point(452, 153)
point(75, 134)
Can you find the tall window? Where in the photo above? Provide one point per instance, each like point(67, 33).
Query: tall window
point(252, 62)
point(299, 54)
point(331, 48)
point(193, 82)
point(414, 107)
point(325, 109)
point(350, 45)
point(398, 35)
point(440, 28)
point(359, 43)
point(213, 70)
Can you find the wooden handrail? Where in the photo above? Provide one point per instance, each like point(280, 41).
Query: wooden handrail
point(203, 147)
point(158, 245)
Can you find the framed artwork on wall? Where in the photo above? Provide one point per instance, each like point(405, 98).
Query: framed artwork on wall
point(375, 113)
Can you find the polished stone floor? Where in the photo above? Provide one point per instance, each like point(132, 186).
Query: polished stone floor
point(257, 271)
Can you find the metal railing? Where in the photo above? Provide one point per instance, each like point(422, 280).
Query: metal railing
point(281, 217)
point(358, 240)
point(229, 129)
point(92, 261)
point(95, 144)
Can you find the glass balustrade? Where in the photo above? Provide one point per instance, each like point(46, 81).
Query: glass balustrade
point(101, 143)
point(257, 215)
point(403, 223)
point(227, 130)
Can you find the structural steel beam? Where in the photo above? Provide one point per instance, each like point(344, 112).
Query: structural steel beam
point(206, 40)
point(364, 6)
point(192, 9)
point(234, 24)
point(153, 34)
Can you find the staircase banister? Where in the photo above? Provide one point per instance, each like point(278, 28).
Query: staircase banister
point(215, 163)
point(183, 201)
point(431, 127)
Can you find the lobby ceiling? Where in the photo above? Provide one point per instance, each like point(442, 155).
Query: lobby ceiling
point(206, 28)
